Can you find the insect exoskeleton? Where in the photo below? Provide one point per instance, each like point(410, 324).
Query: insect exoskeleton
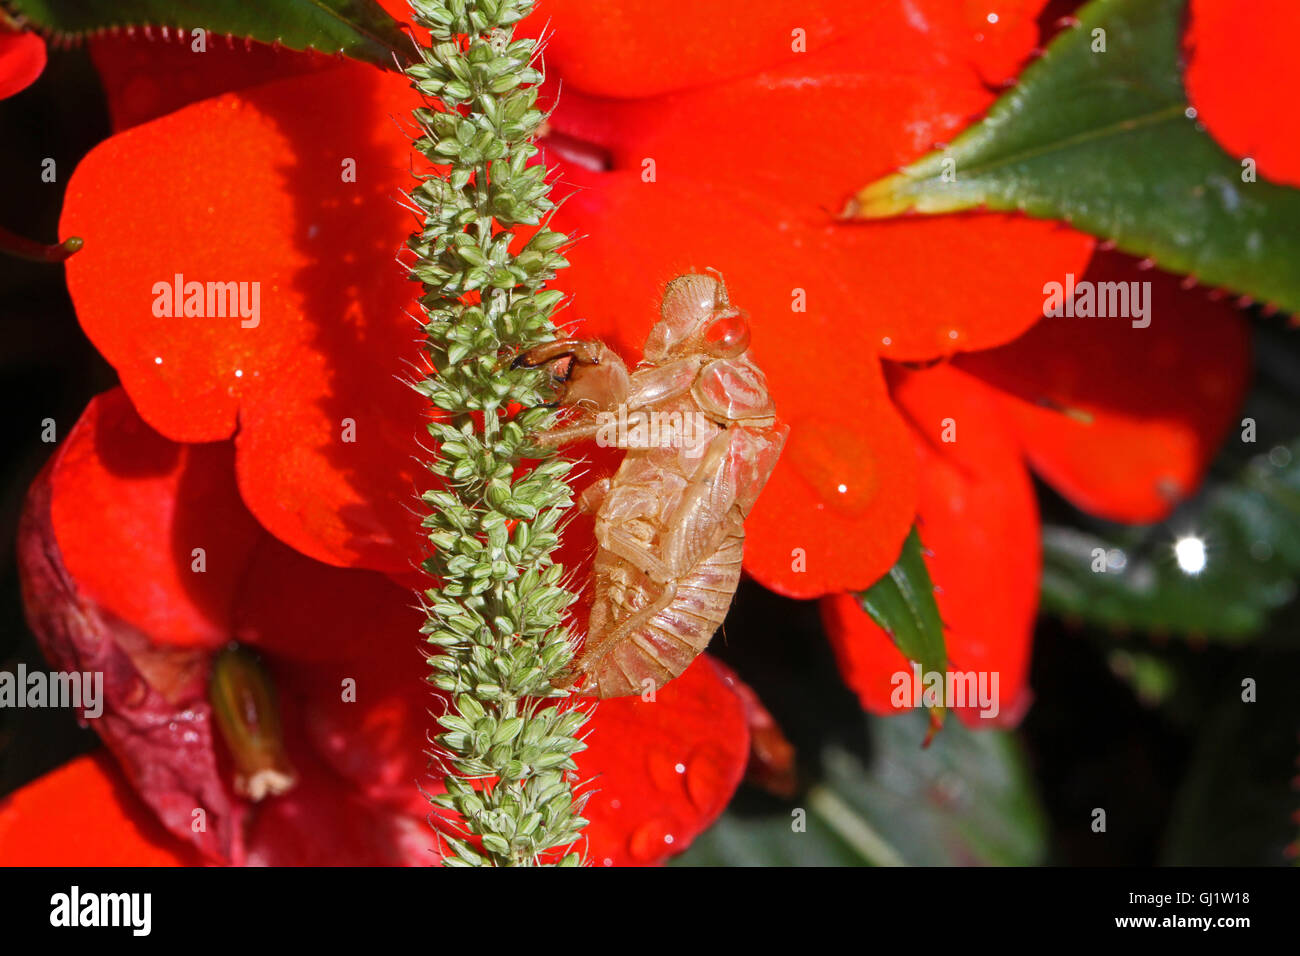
point(701, 439)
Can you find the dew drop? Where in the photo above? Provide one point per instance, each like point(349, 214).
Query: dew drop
point(650, 840)
point(707, 781)
point(824, 458)
point(663, 771)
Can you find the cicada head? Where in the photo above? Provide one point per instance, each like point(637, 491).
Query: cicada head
point(697, 316)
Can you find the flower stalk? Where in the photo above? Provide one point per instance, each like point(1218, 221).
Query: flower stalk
point(495, 609)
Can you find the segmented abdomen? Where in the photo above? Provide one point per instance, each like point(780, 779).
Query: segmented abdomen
point(664, 645)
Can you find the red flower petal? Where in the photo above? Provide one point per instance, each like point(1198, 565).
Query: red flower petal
point(301, 609)
point(319, 367)
point(641, 47)
point(663, 769)
point(128, 510)
point(321, 823)
point(978, 520)
point(1160, 398)
point(386, 707)
point(638, 48)
point(84, 814)
point(1243, 78)
point(22, 58)
point(844, 122)
point(867, 658)
point(144, 77)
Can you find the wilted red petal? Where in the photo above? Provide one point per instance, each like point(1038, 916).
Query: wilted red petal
point(147, 77)
point(1244, 80)
point(154, 714)
point(1160, 398)
point(22, 58)
point(319, 367)
point(129, 509)
point(663, 769)
point(84, 814)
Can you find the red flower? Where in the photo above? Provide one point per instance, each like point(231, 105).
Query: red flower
point(22, 58)
point(1243, 79)
point(736, 152)
point(739, 160)
point(109, 544)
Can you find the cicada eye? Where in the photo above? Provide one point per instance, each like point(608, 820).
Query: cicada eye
point(727, 337)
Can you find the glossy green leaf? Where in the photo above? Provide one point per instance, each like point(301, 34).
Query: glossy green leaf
point(902, 603)
point(965, 800)
point(360, 29)
point(1105, 141)
point(1250, 530)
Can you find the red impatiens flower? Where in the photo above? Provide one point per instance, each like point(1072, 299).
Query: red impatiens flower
point(22, 58)
point(1243, 79)
point(139, 560)
point(736, 152)
point(737, 157)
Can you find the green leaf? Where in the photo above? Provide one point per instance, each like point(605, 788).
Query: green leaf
point(967, 799)
point(360, 29)
point(1103, 140)
point(902, 603)
point(1250, 529)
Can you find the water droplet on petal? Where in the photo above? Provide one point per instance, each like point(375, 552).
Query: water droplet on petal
point(663, 771)
point(708, 780)
point(842, 476)
point(651, 840)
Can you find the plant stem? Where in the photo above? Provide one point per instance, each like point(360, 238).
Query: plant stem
point(495, 610)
